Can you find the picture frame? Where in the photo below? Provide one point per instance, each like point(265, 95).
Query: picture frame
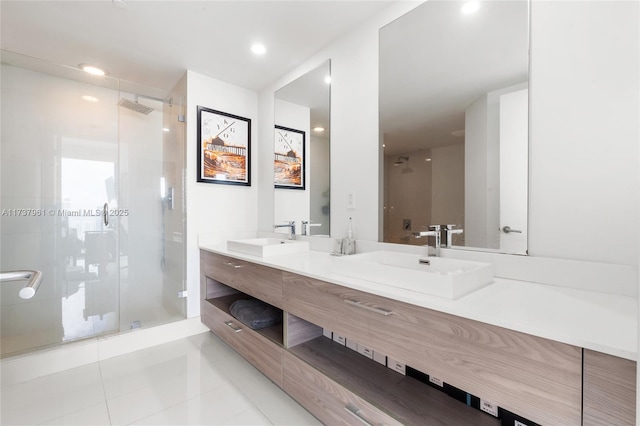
point(289, 158)
point(224, 148)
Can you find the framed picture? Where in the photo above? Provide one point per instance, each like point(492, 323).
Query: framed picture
point(288, 163)
point(224, 148)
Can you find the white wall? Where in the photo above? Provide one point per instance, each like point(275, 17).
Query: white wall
point(583, 197)
point(477, 182)
point(217, 210)
point(292, 204)
point(447, 180)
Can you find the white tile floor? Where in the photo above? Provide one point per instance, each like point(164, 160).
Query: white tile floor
point(193, 381)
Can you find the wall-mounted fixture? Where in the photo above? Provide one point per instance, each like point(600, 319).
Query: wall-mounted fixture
point(401, 160)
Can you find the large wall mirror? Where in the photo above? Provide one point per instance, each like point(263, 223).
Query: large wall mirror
point(302, 113)
point(454, 123)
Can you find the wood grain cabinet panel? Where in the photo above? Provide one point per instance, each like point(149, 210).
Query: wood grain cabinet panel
point(330, 402)
point(536, 378)
point(259, 281)
point(609, 390)
point(265, 355)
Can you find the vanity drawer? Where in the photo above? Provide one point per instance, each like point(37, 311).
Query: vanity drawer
point(259, 281)
point(264, 354)
point(331, 403)
point(324, 304)
point(536, 378)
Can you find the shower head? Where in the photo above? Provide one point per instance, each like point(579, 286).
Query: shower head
point(401, 160)
point(135, 106)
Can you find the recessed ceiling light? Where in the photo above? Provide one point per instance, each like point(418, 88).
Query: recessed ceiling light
point(327, 79)
point(259, 49)
point(165, 129)
point(318, 129)
point(427, 159)
point(92, 69)
point(90, 98)
point(470, 7)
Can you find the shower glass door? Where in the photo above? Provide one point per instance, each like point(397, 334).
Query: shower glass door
point(59, 153)
point(84, 199)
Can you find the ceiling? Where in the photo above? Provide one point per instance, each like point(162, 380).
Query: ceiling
point(154, 42)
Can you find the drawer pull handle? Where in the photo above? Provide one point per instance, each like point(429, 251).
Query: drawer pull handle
point(368, 308)
point(357, 413)
point(233, 265)
point(232, 326)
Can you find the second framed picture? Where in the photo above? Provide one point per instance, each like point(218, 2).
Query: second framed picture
point(289, 159)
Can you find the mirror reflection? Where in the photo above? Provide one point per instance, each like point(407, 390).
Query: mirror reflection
point(302, 115)
point(454, 124)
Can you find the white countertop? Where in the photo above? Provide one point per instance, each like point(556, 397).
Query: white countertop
point(593, 320)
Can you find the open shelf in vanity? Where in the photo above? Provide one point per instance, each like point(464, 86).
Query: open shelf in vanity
point(262, 347)
point(405, 399)
point(223, 303)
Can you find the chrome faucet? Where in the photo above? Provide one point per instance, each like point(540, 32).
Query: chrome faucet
point(449, 231)
point(292, 228)
point(305, 227)
point(435, 232)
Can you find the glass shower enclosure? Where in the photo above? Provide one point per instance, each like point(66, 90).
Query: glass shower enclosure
point(91, 195)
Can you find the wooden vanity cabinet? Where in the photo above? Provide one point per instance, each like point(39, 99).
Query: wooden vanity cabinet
point(609, 390)
point(537, 378)
point(224, 280)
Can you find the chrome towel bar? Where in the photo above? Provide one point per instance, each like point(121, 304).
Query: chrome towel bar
point(34, 279)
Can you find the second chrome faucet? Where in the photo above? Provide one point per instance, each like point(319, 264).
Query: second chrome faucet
point(436, 232)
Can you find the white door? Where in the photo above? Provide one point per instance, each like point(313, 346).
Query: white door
point(513, 171)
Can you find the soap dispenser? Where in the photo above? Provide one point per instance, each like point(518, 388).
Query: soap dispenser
point(349, 244)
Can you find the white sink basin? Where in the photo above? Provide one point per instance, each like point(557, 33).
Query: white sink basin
point(263, 247)
point(448, 278)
